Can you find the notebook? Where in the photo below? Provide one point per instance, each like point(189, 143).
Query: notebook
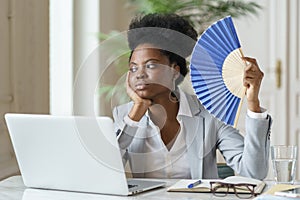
point(204, 185)
point(71, 153)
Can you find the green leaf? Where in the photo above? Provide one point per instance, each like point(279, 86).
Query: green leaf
point(200, 13)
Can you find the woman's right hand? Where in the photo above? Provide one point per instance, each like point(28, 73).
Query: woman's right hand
point(140, 105)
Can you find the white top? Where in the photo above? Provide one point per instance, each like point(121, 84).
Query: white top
point(164, 163)
point(173, 163)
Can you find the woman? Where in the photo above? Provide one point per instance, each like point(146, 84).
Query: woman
point(166, 133)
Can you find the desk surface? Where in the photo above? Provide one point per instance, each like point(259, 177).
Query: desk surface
point(13, 189)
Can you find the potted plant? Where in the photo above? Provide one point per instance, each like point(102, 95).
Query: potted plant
point(200, 13)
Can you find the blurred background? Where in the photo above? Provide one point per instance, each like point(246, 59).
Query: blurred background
point(47, 45)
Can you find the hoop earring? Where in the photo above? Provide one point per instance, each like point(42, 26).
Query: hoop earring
point(173, 96)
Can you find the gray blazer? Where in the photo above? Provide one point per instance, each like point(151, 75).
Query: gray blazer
point(248, 155)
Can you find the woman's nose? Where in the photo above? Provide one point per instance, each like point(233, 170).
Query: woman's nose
point(141, 73)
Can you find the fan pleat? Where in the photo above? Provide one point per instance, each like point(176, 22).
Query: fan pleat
point(223, 36)
point(228, 33)
point(218, 87)
point(233, 70)
point(231, 99)
point(229, 23)
point(209, 71)
point(219, 110)
point(216, 56)
point(212, 42)
point(209, 65)
point(221, 33)
point(218, 91)
point(212, 91)
point(229, 113)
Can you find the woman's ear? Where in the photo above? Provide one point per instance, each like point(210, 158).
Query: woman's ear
point(176, 71)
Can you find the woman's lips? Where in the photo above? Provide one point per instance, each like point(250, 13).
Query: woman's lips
point(141, 86)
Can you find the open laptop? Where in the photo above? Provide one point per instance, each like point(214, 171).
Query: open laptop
point(71, 153)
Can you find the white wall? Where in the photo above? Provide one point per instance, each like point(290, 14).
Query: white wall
point(73, 38)
point(61, 57)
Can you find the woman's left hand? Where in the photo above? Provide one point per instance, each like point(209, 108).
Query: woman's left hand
point(252, 81)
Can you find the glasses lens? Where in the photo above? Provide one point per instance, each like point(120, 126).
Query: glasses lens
point(219, 189)
point(244, 191)
point(244, 196)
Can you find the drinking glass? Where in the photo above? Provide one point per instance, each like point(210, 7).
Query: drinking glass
point(284, 163)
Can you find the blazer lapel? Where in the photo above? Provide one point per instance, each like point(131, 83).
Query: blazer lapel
point(194, 137)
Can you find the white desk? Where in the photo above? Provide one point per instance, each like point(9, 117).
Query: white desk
point(13, 189)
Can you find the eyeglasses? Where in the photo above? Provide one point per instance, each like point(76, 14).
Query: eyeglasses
point(241, 190)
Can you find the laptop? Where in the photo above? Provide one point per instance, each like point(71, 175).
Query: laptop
point(71, 153)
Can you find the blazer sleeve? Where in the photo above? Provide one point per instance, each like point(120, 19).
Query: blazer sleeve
point(249, 155)
point(126, 131)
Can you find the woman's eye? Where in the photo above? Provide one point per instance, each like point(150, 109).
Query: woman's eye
point(151, 65)
point(133, 69)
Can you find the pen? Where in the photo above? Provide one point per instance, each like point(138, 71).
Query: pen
point(194, 184)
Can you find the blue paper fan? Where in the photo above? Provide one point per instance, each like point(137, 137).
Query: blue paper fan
point(217, 69)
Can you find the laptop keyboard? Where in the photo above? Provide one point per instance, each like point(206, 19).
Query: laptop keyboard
point(131, 186)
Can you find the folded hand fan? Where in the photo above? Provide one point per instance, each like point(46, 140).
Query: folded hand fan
point(217, 70)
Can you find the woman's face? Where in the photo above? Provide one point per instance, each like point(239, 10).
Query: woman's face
point(151, 75)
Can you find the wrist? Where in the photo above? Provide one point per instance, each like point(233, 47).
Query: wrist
point(138, 110)
point(254, 106)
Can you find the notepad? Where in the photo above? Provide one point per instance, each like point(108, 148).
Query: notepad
point(281, 187)
point(181, 185)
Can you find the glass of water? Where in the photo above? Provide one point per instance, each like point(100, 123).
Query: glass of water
point(284, 163)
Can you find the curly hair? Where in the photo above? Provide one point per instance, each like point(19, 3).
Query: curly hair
point(170, 33)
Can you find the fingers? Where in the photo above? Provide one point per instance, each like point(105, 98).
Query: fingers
point(252, 73)
point(129, 90)
point(252, 66)
point(251, 60)
point(252, 81)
